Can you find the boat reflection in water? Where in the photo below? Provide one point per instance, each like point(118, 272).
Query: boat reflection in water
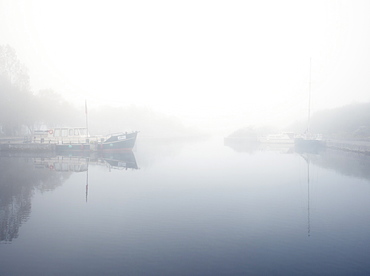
point(251, 146)
point(22, 174)
point(78, 162)
point(116, 160)
point(202, 210)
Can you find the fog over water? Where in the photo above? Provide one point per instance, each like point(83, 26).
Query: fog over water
point(185, 208)
point(212, 64)
point(218, 181)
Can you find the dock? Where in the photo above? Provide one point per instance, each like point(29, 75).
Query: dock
point(27, 147)
point(23, 144)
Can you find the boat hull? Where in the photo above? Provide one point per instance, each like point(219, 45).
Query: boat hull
point(309, 145)
point(118, 142)
point(72, 147)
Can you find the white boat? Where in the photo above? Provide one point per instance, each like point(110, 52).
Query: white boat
point(309, 142)
point(279, 138)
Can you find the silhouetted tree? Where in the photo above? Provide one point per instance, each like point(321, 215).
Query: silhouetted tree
point(20, 107)
point(12, 69)
point(15, 96)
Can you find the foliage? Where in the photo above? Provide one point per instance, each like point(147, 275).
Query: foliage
point(20, 108)
point(15, 96)
point(12, 70)
point(348, 122)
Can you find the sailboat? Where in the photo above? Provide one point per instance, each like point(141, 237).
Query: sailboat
point(309, 141)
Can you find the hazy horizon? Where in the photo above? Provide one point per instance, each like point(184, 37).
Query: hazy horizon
point(212, 64)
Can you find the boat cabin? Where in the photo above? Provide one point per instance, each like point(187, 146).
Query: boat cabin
point(62, 135)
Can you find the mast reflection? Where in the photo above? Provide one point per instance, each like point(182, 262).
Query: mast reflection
point(21, 174)
point(80, 163)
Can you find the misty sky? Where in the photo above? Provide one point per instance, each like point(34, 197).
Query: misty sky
point(228, 63)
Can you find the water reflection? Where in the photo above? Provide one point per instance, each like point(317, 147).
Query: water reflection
point(346, 163)
point(79, 163)
point(251, 147)
point(343, 162)
point(307, 159)
point(18, 179)
point(21, 174)
point(242, 145)
point(120, 161)
point(199, 208)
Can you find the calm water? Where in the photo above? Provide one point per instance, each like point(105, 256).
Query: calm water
point(199, 208)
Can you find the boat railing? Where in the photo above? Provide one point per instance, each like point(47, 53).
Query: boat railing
point(77, 135)
point(310, 136)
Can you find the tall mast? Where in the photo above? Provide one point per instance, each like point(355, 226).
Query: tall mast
point(309, 101)
point(87, 125)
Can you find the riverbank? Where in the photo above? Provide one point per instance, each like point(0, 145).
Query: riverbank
point(349, 145)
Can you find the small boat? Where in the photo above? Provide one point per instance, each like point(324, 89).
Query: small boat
point(309, 142)
point(279, 138)
point(78, 139)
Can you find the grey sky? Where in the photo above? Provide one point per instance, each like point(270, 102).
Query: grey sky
point(224, 63)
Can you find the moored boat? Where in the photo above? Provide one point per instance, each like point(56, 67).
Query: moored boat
point(309, 143)
point(279, 138)
point(78, 139)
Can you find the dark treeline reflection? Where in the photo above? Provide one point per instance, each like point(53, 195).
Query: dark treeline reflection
point(346, 163)
point(343, 162)
point(19, 178)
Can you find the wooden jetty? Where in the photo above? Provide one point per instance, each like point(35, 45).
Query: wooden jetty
point(27, 147)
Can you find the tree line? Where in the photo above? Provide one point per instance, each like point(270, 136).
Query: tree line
point(22, 110)
point(350, 121)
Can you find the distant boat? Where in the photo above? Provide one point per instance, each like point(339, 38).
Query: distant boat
point(279, 138)
point(78, 139)
point(309, 141)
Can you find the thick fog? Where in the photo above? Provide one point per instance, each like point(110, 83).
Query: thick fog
point(190, 66)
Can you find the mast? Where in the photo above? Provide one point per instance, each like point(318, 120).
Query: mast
point(87, 125)
point(309, 101)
